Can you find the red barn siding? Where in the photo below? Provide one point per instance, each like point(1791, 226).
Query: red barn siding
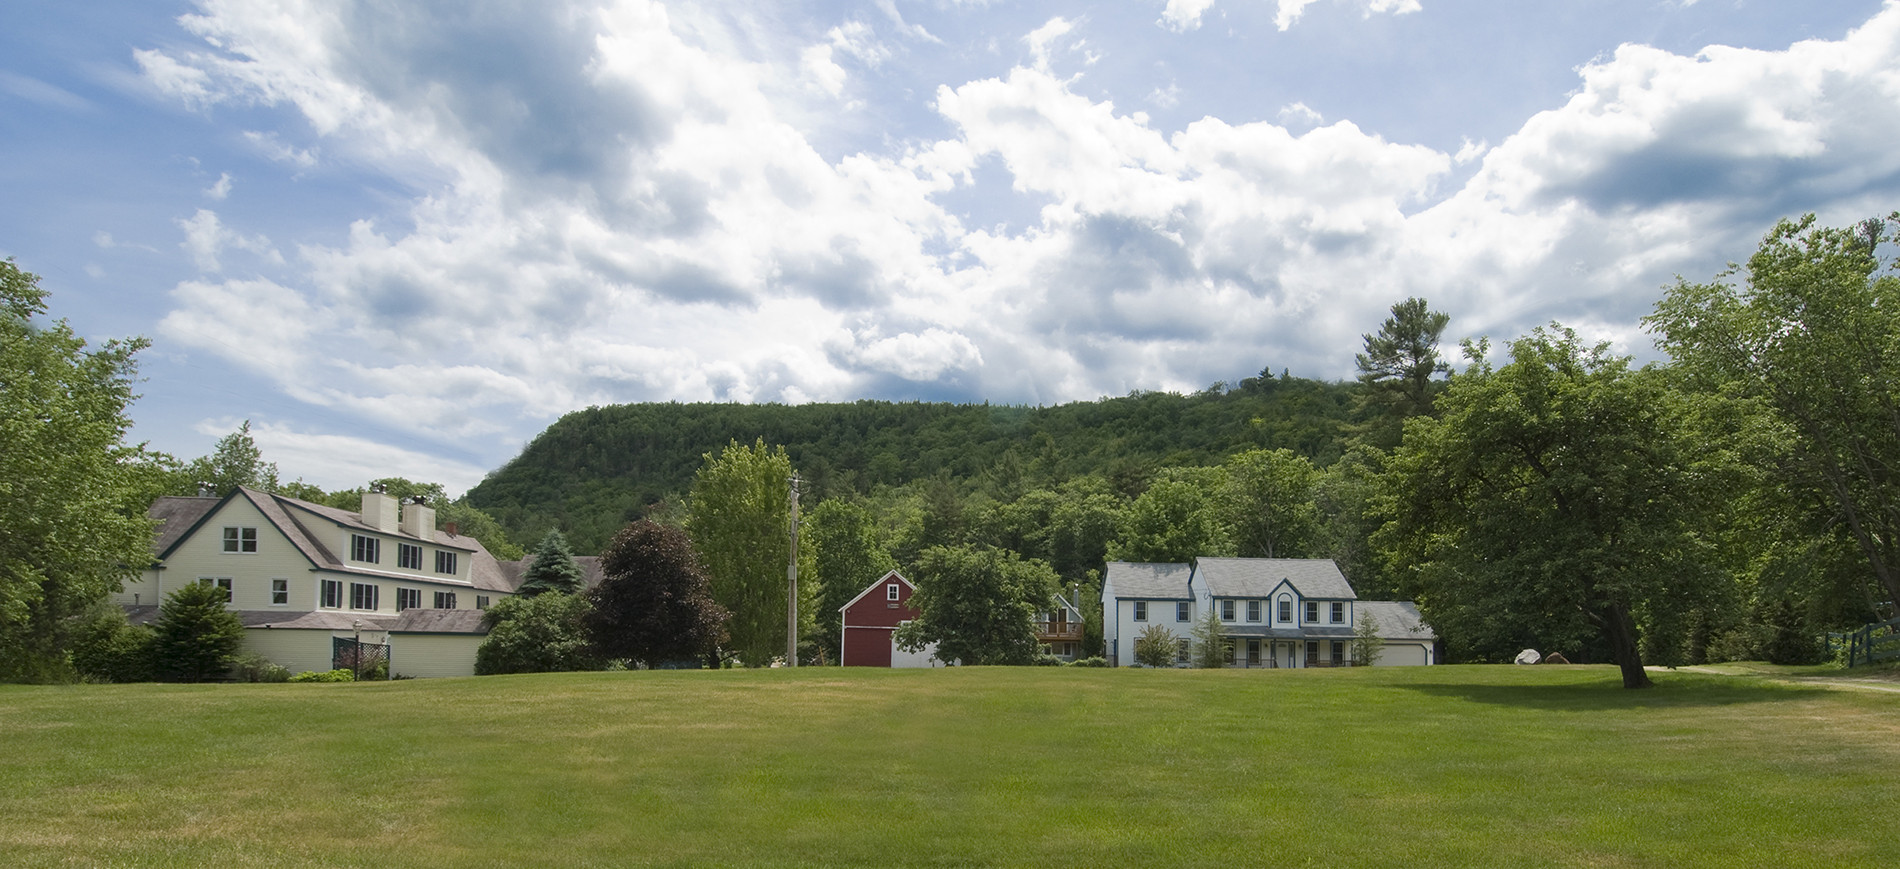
point(870, 618)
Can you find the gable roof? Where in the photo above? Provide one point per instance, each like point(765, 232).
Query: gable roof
point(1149, 580)
point(177, 514)
point(888, 576)
point(1257, 577)
point(1396, 619)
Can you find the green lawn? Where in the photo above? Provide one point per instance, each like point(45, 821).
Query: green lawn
point(1441, 766)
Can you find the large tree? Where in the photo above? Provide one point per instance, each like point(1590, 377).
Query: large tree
point(977, 604)
point(235, 461)
point(73, 494)
point(1812, 337)
point(1267, 504)
point(1400, 365)
point(1177, 519)
point(653, 604)
point(553, 568)
point(1560, 496)
point(540, 634)
point(195, 638)
point(740, 521)
point(849, 555)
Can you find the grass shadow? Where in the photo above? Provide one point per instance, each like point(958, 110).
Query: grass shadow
point(1609, 694)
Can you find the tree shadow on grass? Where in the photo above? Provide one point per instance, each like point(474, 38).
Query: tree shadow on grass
point(1609, 694)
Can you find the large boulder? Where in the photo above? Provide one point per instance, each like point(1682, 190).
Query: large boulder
point(1529, 656)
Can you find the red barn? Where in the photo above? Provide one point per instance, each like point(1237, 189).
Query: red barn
point(871, 618)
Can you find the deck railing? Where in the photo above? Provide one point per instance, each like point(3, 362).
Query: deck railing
point(1046, 631)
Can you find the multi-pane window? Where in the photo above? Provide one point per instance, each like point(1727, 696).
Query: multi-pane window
point(223, 583)
point(1182, 612)
point(1339, 612)
point(409, 556)
point(445, 562)
point(1141, 610)
point(1312, 652)
point(1339, 653)
point(366, 549)
point(1181, 648)
point(481, 601)
point(1286, 609)
point(332, 594)
point(445, 600)
point(240, 538)
point(406, 599)
point(1312, 612)
point(362, 596)
point(280, 592)
point(1227, 611)
point(1253, 651)
point(890, 591)
point(1253, 611)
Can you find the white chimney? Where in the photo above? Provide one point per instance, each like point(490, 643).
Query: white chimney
point(379, 511)
point(418, 520)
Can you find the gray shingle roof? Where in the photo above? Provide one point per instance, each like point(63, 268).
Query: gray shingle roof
point(515, 572)
point(1397, 619)
point(176, 514)
point(1132, 580)
point(1256, 577)
point(421, 621)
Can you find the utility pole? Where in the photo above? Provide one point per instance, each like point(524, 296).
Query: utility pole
point(791, 582)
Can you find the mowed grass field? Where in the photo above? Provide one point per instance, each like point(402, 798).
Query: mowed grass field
point(1441, 766)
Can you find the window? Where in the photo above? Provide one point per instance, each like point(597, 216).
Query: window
point(1286, 609)
point(240, 538)
point(1253, 650)
point(1312, 653)
point(1181, 648)
point(362, 596)
point(1227, 611)
point(1339, 653)
point(1253, 611)
point(223, 583)
point(409, 556)
point(368, 550)
point(1312, 612)
point(890, 591)
point(445, 600)
point(406, 599)
point(444, 562)
point(1339, 612)
point(1141, 610)
point(332, 594)
point(481, 601)
point(280, 592)
point(1183, 612)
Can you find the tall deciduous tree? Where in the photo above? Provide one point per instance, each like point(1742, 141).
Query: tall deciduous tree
point(1177, 519)
point(653, 604)
point(1399, 366)
point(740, 521)
point(72, 493)
point(195, 638)
point(849, 556)
point(1558, 496)
point(1267, 504)
point(978, 605)
point(553, 568)
point(1813, 337)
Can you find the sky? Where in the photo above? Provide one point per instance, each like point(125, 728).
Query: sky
point(401, 239)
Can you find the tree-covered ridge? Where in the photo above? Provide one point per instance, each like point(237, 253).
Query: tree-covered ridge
point(594, 470)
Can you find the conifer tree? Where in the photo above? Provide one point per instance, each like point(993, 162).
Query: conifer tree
point(553, 568)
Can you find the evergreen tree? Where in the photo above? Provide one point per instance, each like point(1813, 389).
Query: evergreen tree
point(1212, 649)
point(553, 568)
point(1366, 642)
point(1399, 365)
point(196, 638)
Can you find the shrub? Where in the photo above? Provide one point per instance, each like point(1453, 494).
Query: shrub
point(106, 649)
point(1097, 661)
point(1047, 660)
point(1155, 647)
point(253, 667)
point(197, 638)
point(540, 634)
point(323, 676)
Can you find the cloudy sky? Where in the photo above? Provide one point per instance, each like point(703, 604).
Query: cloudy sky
point(403, 237)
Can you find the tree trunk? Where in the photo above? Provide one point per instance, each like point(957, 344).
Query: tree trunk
point(1620, 629)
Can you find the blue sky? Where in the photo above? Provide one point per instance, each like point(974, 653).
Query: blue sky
point(403, 238)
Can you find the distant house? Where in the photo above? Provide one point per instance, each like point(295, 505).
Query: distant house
point(308, 580)
point(1275, 612)
point(1059, 627)
point(869, 620)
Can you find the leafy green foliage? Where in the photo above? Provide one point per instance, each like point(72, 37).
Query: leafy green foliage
point(107, 649)
point(540, 634)
point(1267, 504)
point(849, 556)
point(195, 638)
point(235, 461)
point(1560, 496)
point(977, 605)
point(1366, 642)
point(1155, 647)
point(1179, 517)
point(553, 568)
point(653, 605)
point(740, 521)
point(1212, 649)
point(324, 676)
point(72, 493)
point(1399, 365)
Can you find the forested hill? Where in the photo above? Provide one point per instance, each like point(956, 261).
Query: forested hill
point(594, 470)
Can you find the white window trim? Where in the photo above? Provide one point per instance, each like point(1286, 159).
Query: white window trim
point(238, 539)
point(1228, 611)
point(891, 592)
point(1183, 611)
point(274, 592)
point(1141, 610)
